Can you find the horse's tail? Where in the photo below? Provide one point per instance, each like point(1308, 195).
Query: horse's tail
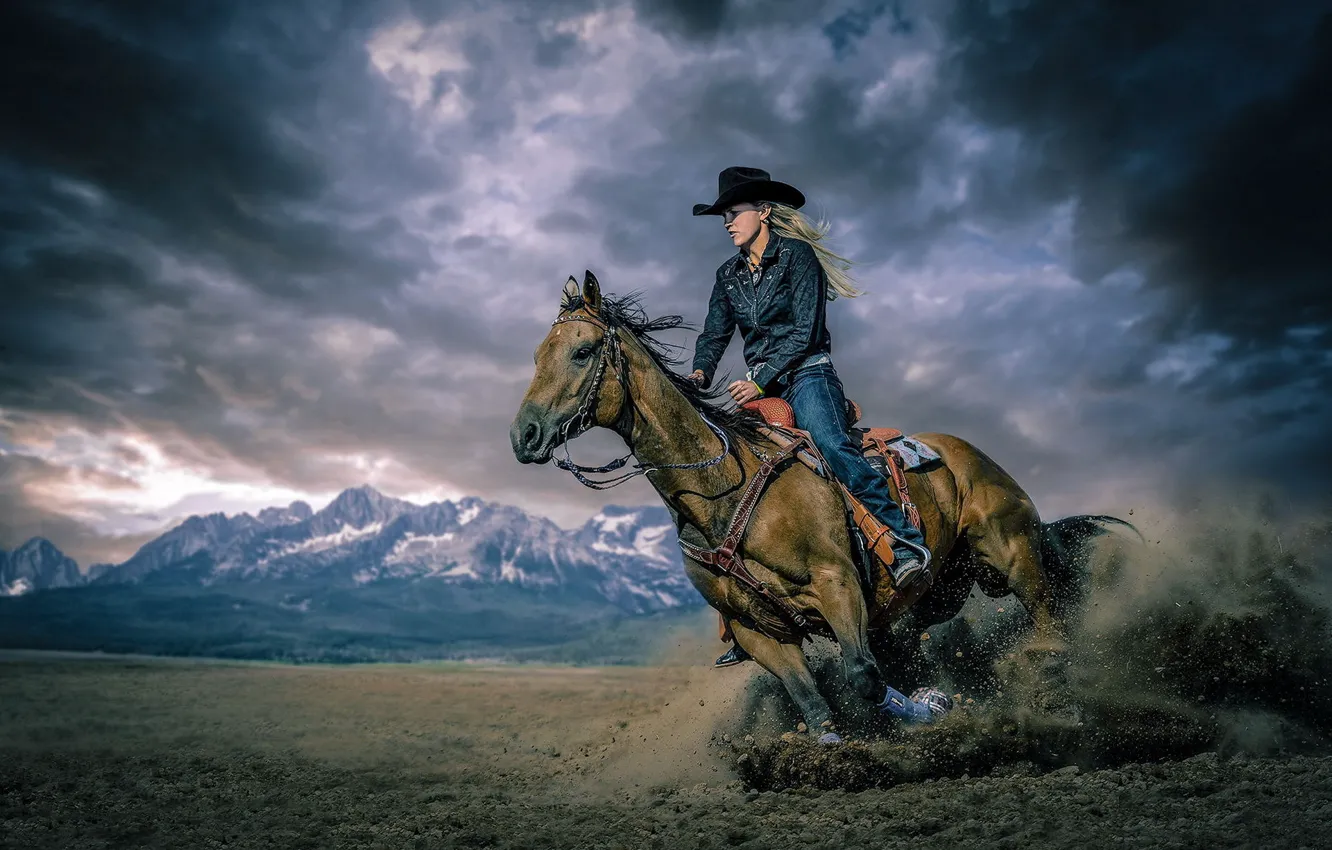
point(1066, 555)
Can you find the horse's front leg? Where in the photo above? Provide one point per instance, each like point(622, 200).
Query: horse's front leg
point(842, 605)
point(787, 662)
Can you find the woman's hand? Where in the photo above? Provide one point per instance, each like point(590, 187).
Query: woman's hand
point(696, 376)
point(743, 392)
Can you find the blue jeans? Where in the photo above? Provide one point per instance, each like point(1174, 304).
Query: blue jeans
point(815, 394)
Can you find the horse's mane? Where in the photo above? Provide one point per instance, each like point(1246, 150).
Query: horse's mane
point(625, 312)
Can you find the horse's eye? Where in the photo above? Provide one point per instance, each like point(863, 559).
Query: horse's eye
point(581, 354)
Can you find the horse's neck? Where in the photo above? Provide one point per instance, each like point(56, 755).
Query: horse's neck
point(668, 430)
point(666, 427)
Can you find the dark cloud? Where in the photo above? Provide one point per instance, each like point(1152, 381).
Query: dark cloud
point(716, 22)
point(852, 25)
point(564, 221)
point(866, 169)
point(25, 518)
point(696, 19)
point(1192, 135)
point(193, 128)
point(559, 49)
point(142, 135)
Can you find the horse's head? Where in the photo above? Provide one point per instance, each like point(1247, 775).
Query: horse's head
point(579, 374)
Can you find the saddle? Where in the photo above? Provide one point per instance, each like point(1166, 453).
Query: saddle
point(879, 446)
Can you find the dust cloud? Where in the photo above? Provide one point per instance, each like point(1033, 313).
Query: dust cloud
point(1211, 636)
point(674, 746)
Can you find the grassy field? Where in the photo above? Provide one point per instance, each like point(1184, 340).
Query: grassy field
point(130, 752)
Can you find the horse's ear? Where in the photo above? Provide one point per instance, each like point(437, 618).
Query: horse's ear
point(570, 291)
point(591, 292)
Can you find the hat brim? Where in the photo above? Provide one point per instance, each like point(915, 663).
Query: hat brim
point(751, 192)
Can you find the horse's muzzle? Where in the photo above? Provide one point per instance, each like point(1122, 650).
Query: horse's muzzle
point(531, 439)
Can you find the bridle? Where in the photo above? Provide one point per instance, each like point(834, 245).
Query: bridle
point(584, 418)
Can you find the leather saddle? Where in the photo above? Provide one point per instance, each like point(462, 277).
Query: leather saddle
point(776, 411)
point(877, 446)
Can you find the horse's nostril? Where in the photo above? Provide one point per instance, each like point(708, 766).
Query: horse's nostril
point(531, 435)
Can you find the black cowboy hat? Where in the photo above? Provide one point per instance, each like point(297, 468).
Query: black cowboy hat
point(738, 184)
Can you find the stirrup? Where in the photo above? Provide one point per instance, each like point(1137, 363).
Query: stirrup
point(917, 555)
point(915, 570)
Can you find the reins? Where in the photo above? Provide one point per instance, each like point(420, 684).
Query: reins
point(585, 417)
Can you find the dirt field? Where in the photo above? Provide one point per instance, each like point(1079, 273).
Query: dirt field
point(123, 752)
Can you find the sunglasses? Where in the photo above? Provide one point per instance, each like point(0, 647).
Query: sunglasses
point(732, 214)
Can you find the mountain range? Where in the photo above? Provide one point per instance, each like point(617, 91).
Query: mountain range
point(368, 576)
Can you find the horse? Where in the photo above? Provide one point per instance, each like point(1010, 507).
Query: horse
point(601, 366)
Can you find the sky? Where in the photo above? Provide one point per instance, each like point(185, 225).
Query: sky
point(256, 252)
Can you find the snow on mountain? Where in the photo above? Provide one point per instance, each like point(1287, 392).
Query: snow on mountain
point(17, 587)
point(627, 556)
point(344, 535)
point(36, 565)
point(633, 532)
point(470, 510)
point(641, 544)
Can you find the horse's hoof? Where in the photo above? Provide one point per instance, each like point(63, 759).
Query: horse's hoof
point(830, 738)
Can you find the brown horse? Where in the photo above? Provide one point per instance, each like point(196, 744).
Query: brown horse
point(601, 366)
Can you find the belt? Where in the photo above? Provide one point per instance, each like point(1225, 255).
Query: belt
point(813, 360)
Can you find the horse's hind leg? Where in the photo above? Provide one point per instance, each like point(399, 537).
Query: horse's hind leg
point(1009, 543)
point(787, 662)
point(898, 648)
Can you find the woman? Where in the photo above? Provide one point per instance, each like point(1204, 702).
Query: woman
point(775, 290)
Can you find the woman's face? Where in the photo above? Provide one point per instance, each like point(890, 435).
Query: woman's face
point(743, 222)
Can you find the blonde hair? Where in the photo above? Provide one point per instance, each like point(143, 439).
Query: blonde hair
point(789, 222)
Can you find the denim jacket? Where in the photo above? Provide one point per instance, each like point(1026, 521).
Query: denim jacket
point(781, 316)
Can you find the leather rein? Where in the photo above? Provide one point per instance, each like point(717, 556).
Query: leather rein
point(725, 559)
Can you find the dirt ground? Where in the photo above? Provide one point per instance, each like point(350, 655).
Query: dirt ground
point(126, 752)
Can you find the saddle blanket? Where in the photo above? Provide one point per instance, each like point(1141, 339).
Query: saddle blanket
point(913, 453)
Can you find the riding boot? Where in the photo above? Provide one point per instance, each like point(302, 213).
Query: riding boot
point(909, 565)
point(735, 655)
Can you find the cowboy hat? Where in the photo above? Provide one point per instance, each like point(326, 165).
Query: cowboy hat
point(738, 184)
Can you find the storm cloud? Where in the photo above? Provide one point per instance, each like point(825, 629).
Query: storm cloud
point(255, 252)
